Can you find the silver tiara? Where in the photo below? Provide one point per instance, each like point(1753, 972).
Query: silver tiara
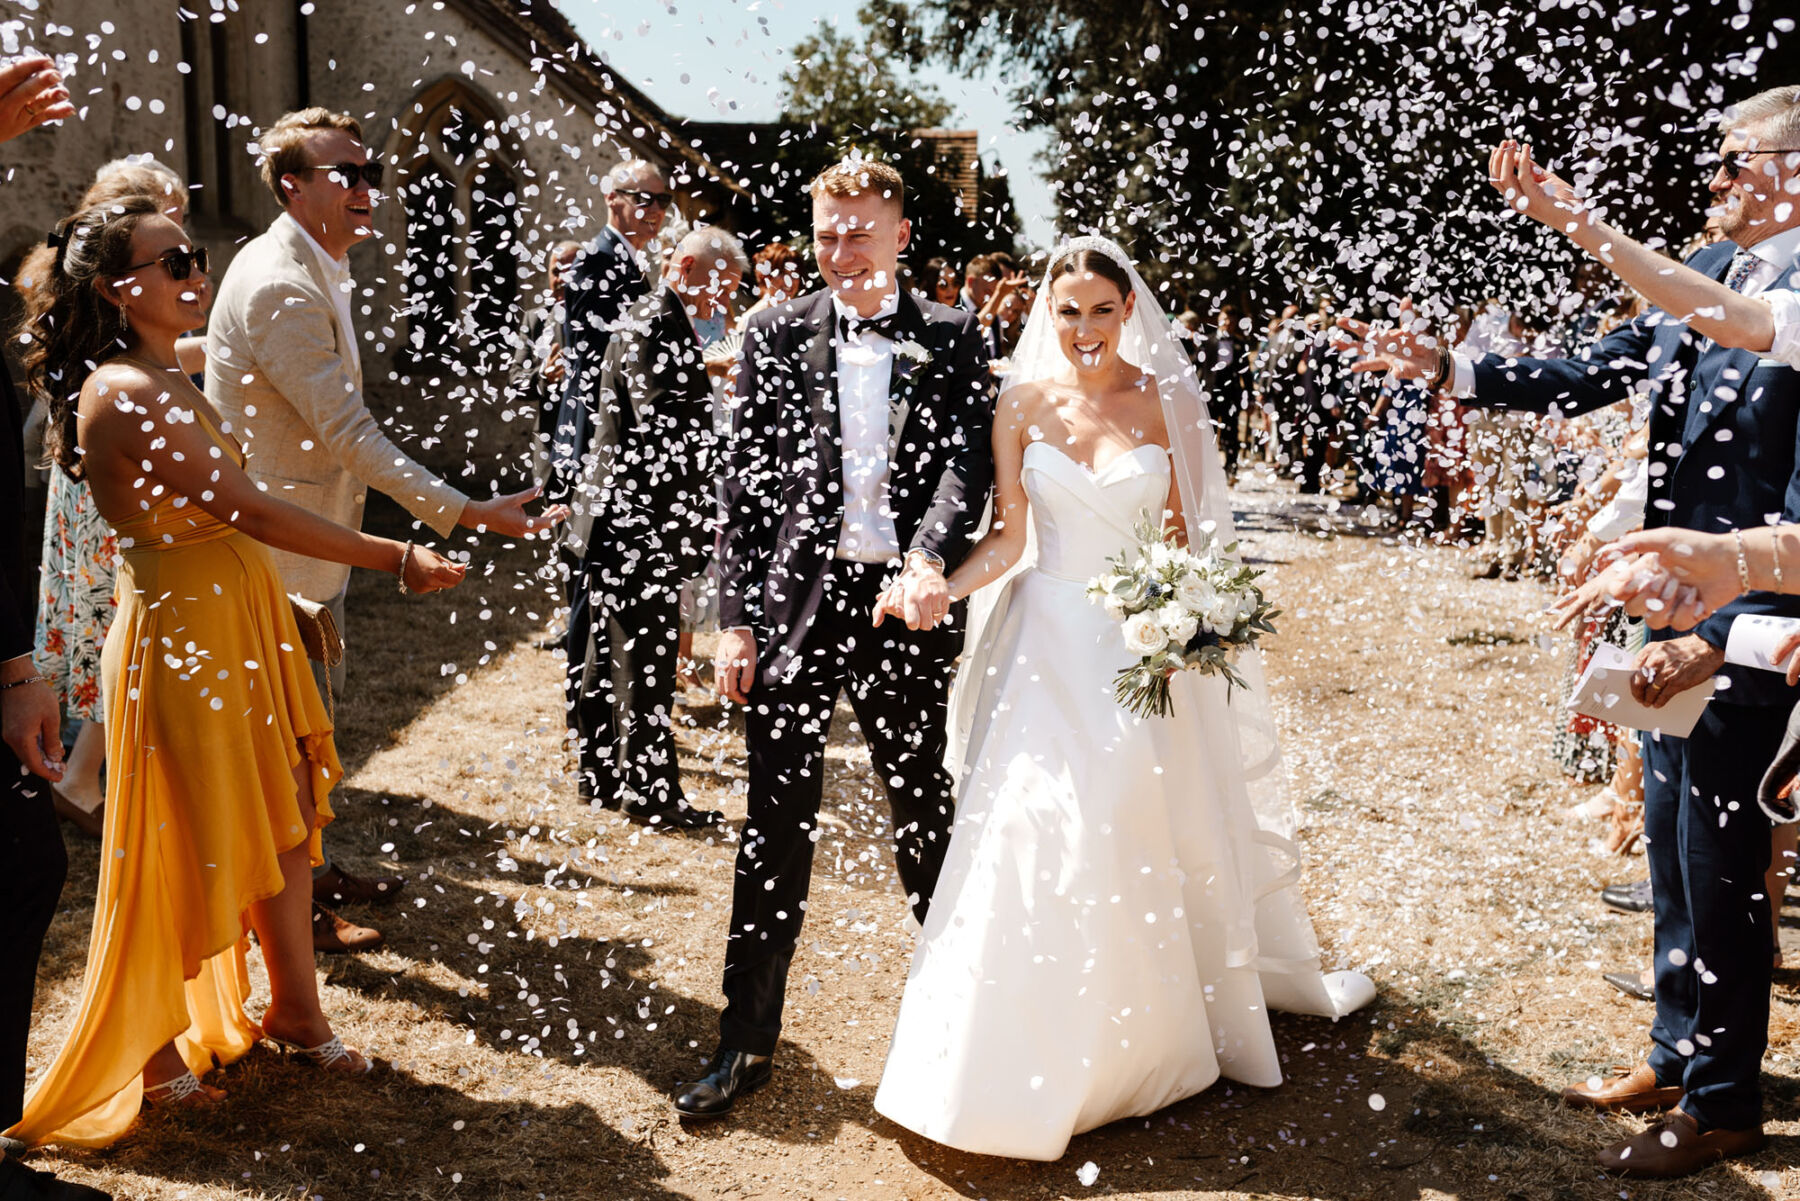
point(1105, 246)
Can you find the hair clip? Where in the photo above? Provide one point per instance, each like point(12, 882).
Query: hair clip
point(56, 239)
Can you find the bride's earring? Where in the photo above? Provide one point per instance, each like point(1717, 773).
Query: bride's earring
point(124, 321)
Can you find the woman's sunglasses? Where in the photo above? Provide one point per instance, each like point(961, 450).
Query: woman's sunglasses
point(178, 263)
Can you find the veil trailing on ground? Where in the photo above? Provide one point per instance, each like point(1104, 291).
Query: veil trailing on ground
point(1149, 344)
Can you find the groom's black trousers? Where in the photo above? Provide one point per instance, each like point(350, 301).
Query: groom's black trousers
point(898, 682)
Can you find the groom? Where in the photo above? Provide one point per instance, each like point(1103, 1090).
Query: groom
point(859, 449)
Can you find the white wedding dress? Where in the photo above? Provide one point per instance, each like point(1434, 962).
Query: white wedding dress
point(1111, 927)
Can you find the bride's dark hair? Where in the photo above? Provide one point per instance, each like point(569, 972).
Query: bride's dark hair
point(1098, 262)
point(74, 328)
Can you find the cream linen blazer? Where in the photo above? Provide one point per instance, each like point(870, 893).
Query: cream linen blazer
point(280, 370)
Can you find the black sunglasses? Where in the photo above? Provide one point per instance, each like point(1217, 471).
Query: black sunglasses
point(178, 263)
point(650, 199)
point(345, 175)
point(1735, 165)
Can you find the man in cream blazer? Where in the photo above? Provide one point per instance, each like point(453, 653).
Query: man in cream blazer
point(283, 368)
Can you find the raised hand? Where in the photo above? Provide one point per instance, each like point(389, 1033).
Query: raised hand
point(506, 514)
point(31, 93)
point(1533, 191)
point(1638, 583)
point(1400, 353)
point(1703, 566)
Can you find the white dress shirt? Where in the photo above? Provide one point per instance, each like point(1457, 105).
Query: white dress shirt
point(1784, 307)
point(340, 285)
point(865, 377)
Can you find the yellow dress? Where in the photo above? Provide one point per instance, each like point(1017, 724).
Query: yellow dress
point(210, 705)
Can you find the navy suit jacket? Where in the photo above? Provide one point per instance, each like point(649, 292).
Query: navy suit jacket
point(602, 282)
point(1722, 438)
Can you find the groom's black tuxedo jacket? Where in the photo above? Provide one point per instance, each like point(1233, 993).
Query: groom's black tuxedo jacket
point(1723, 429)
point(782, 489)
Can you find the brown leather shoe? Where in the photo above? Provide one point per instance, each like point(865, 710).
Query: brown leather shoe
point(1634, 1092)
point(339, 887)
point(1673, 1146)
point(332, 935)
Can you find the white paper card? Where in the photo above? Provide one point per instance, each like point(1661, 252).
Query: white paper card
point(1604, 692)
point(1754, 637)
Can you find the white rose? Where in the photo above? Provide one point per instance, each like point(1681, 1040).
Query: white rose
point(1144, 635)
point(1219, 616)
point(1163, 555)
point(1193, 592)
point(1114, 606)
point(1246, 605)
point(1180, 623)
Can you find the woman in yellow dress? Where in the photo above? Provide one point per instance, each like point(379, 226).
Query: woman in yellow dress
point(219, 747)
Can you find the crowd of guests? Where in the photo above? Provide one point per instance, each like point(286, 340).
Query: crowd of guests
point(1531, 433)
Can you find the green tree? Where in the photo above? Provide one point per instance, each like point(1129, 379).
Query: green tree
point(844, 95)
point(1280, 151)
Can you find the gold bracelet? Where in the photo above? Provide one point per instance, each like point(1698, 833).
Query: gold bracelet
point(1743, 563)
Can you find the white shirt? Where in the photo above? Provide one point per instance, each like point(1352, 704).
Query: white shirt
point(1784, 307)
point(865, 377)
point(340, 285)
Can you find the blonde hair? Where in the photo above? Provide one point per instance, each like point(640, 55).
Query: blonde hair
point(1773, 115)
point(858, 177)
point(282, 146)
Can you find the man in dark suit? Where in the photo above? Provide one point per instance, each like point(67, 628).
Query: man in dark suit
point(644, 518)
point(860, 447)
point(605, 279)
point(33, 861)
point(1723, 429)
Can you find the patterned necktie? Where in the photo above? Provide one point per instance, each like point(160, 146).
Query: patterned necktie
point(1742, 264)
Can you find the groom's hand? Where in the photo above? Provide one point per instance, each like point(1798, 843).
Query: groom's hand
point(1668, 668)
point(734, 665)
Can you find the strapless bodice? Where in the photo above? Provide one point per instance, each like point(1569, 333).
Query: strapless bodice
point(166, 520)
point(1082, 518)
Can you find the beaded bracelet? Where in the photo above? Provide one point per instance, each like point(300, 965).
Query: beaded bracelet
point(405, 555)
point(38, 679)
point(1743, 564)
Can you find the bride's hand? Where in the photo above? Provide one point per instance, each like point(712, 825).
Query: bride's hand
point(889, 604)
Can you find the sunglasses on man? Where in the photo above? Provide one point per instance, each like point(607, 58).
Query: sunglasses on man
point(1735, 165)
point(345, 175)
point(661, 200)
point(179, 263)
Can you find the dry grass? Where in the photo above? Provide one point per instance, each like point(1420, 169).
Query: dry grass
point(549, 973)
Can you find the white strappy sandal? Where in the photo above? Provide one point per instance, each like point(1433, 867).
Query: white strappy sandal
point(325, 1056)
point(178, 1091)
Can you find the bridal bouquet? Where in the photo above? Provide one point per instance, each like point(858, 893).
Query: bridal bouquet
point(1179, 609)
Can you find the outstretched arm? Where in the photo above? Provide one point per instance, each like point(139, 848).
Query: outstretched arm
point(1708, 306)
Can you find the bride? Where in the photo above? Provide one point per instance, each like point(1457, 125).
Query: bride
point(1117, 912)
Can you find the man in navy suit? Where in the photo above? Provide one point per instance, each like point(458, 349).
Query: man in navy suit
point(610, 275)
point(1723, 428)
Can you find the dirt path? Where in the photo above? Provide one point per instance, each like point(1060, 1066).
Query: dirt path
point(549, 973)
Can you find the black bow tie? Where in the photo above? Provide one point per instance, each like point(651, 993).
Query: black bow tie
point(853, 327)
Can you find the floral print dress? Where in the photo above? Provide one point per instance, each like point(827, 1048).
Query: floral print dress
point(75, 596)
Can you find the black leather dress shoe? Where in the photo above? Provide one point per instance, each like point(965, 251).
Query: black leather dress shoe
point(730, 1075)
point(20, 1183)
point(1631, 984)
point(1627, 898)
point(679, 816)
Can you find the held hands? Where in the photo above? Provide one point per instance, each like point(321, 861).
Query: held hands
point(506, 514)
point(427, 571)
point(31, 93)
point(920, 596)
point(734, 665)
point(1667, 668)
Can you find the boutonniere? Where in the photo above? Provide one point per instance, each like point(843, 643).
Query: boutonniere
point(910, 358)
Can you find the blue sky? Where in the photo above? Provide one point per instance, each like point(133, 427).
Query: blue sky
point(722, 60)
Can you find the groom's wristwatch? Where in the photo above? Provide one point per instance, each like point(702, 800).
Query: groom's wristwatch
point(931, 558)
